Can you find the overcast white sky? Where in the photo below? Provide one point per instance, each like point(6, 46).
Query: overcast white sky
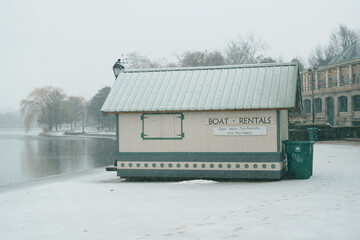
point(73, 44)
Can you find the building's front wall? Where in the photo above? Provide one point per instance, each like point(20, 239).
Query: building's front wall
point(333, 85)
point(229, 144)
point(198, 130)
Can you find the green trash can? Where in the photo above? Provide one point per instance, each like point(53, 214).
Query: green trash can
point(300, 159)
point(312, 132)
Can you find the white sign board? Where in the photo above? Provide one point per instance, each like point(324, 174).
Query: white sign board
point(240, 131)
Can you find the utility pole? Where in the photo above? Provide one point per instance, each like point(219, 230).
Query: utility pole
point(312, 74)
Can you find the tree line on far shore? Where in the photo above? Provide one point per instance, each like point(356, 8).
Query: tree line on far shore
point(51, 108)
point(248, 49)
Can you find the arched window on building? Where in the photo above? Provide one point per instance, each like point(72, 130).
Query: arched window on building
point(356, 102)
point(318, 105)
point(356, 78)
point(307, 106)
point(343, 104)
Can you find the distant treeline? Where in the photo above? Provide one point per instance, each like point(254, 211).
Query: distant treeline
point(51, 109)
point(250, 49)
point(11, 120)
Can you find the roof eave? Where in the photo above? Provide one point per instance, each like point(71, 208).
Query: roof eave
point(211, 67)
point(214, 110)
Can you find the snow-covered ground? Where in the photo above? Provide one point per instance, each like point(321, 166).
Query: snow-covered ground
point(98, 205)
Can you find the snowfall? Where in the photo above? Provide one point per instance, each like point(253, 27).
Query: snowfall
point(99, 205)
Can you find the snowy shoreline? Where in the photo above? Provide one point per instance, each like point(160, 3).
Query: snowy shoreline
point(79, 134)
point(96, 204)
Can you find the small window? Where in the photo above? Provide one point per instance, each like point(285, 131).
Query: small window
point(318, 105)
point(342, 81)
point(356, 102)
point(307, 106)
point(162, 126)
point(333, 82)
point(343, 104)
point(321, 83)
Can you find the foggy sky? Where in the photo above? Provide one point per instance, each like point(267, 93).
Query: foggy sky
point(73, 44)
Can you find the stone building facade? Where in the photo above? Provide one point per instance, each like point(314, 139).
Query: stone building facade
point(336, 91)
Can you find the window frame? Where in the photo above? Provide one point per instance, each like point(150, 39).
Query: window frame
point(179, 136)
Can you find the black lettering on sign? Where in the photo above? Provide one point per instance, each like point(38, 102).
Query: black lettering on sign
point(269, 120)
point(245, 120)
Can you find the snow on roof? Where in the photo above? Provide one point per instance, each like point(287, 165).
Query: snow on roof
point(260, 86)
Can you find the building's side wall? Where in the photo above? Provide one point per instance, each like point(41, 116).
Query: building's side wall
point(348, 118)
point(284, 126)
point(199, 136)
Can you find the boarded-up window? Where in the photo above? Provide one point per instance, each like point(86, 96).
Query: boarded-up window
point(162, 126)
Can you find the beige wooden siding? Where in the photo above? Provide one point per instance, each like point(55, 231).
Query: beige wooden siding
point(199, 134)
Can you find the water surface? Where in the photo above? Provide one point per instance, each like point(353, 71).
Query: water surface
point(28, 156)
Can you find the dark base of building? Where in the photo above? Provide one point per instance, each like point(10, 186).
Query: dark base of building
point(202, 166)
point(193, 174)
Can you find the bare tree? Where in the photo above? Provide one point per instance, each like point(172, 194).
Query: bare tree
point(267, 60)
point(75, 109)
point(45, 106)
point(199, 58)
point(320, 56)
point(339, 41)
point(57, 97)
point(249, 49)
point(136, 61)
point(342, 38)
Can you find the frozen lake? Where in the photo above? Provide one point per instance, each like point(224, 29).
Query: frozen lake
point(98, 205)
point(27, 156)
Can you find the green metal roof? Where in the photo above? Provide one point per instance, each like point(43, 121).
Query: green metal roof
point(260, 86)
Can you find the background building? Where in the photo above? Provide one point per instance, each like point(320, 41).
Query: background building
point(336, 91)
